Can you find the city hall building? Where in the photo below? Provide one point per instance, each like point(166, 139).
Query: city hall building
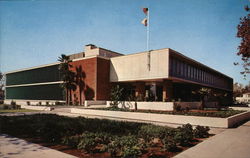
point(157, 75)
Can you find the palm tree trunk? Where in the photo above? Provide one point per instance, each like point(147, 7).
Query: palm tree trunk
point(67, 97)
point(70, 97)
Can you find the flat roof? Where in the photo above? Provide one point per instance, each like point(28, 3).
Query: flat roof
point(30, 68)
point(196, 62)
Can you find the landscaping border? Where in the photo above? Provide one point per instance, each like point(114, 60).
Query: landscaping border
point(166, 118)
point(44, 108)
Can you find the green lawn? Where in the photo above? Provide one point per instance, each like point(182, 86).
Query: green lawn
point(16, 110)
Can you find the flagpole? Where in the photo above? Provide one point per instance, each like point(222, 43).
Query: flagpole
point(148, 22)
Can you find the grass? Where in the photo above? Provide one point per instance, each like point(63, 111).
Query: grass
point(4, 108)
point(16, 110)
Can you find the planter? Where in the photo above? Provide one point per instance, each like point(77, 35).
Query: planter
point(165, 118)
point(43, 108)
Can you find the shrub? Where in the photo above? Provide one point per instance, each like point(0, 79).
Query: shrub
point(47, 103)
point(184, 135)
point(52, 131)
point(88, 141)
point(13, 103)
point(169, 144)
point(5, 107)
point(114, 148)
point(131, 152)
point(177, 107)
point(187, 109)
point(149, 132)
point(125, 146)
point(72, 141)
point(201, 132)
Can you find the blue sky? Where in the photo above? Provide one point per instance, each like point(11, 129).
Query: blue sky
point(36, 32)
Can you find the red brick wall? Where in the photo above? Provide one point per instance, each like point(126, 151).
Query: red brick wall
point(92, 80)
point(103, 84)
point(86, 75)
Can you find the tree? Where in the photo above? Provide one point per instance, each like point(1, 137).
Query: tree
point(67, 76)
point(1, 81)
point(116, 95)
point(237, 90)
point(79, 79)
point(202, 93)
point(1, 86)
point(244, 47)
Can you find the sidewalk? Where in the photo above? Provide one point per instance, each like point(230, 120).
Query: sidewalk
point(232, 143)
point(11, 147)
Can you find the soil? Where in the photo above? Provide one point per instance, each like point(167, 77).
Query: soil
point(152, 152)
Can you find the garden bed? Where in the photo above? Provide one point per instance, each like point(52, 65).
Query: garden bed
point(102, 138)
point(167, 117)
point(205, 113)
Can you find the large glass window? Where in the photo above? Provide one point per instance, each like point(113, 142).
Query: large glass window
point(37, 92)
point(39, 75)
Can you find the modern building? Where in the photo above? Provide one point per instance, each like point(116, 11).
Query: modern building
point(159, 75)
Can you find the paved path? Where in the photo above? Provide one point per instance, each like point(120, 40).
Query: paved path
point(11, 147)
point(232, 143)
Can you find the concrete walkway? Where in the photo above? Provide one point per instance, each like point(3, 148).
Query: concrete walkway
point(11, 147)
point(232, 143)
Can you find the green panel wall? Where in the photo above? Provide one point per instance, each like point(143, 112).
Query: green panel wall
point(39, 75)
point(37, 92)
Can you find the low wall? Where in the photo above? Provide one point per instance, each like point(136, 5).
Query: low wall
point(233, 120)
point(166, 106)
point(240, 108)
point(164, 118)
point(33, 102)
point(191, 105)
point(94, 102)
point(44, 108)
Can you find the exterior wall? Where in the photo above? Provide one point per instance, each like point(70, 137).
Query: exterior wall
point(103, 85)
point(37, 83)
point(183, 68)
point(134, 67)
point(95, 51)
point(42, 74)
point(86, 71)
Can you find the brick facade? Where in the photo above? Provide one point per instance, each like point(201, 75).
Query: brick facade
point(103, 84)
point(86, 80)
point(92, 77)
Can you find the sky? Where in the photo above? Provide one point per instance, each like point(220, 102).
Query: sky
point(36, 32)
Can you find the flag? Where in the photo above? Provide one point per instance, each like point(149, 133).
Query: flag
point(145, 10)
point(145, 22)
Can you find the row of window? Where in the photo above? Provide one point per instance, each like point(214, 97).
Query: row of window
point(184, 70)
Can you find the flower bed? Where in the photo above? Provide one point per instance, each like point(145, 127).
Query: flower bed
point(206, 113)
point(111, 138)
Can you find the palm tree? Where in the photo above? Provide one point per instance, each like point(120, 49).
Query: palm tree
point(67, 76)
point(79, 78)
